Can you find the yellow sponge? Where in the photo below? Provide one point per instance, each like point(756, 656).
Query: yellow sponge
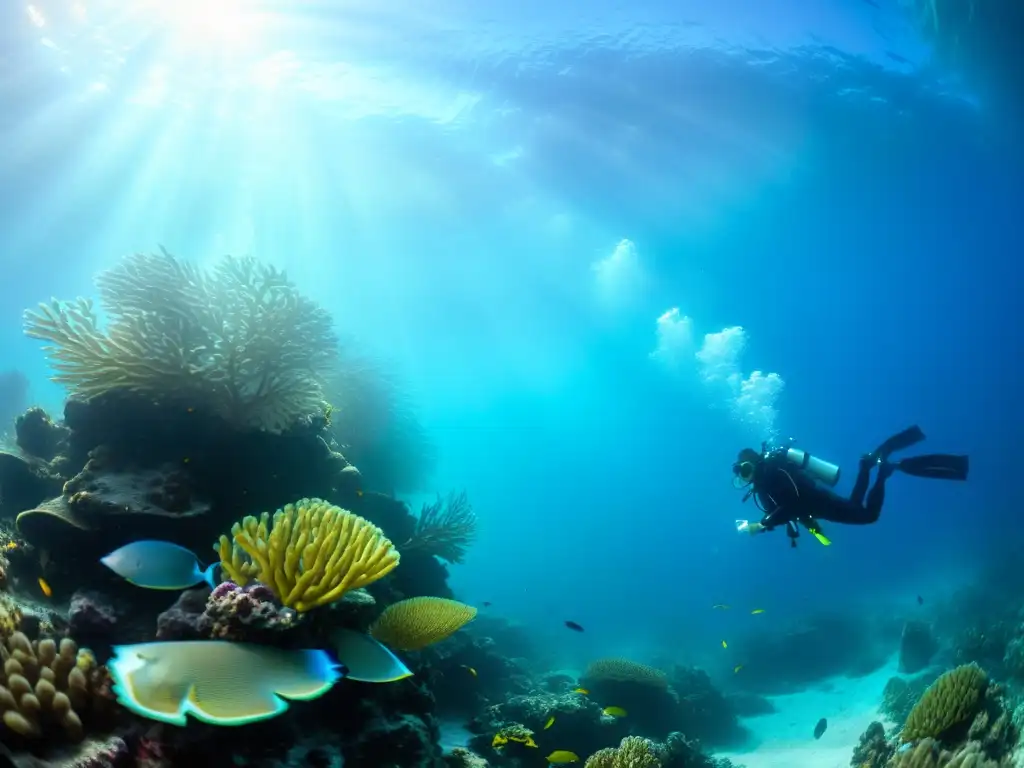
point(952, 700)
point(412, 624)
point(310, 553)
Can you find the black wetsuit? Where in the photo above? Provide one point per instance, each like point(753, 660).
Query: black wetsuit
point(788, 496)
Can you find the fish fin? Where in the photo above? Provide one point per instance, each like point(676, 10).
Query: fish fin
point(366, 660)
point(210, 574)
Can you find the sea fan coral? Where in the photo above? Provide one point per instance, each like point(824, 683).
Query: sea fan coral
point(239, 341)
point(445, 528)
point(310, 553)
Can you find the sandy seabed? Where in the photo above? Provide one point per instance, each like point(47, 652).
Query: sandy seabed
point(785, 738)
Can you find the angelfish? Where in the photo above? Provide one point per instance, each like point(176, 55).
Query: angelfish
point(159, 565)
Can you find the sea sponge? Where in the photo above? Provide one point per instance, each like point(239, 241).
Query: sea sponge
point(238, 341)
point(953, 699)
point(615, 670)
point(412, 624)
point(632, 752)
point(45, 687)
point(310, 553)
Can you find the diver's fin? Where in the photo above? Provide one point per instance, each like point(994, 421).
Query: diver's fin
point(899, 442)
point(822, 538)
point(941, 466)
point(814, 528)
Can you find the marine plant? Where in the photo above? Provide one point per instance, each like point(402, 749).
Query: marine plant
point(952, 700)
point(445, 528)
point(309, 553)
point(238, 341)
point(417, 622)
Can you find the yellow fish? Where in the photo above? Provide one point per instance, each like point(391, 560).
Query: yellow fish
point(725, 644)
point(562, 757)
point(756, 611)
point(614, 712)
point(498, 741)
point(581, 691)
point(470, 670)
point(45, 587)
point(549, 723)
point(720, 607)
point(737, 668)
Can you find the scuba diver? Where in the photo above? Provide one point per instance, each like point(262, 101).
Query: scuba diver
point(784, 483)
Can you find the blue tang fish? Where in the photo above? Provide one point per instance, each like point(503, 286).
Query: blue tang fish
point(159, 565)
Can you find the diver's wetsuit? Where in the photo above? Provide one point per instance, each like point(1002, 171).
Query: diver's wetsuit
point(789, 496)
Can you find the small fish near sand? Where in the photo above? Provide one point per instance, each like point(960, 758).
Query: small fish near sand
point(574, 626)
point(819, 729)
point(159, 565)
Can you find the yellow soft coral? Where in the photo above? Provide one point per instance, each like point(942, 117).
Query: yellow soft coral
point(412, 624)
point(633, 752)
point(310, 553)
point(952, 700)
point(44, 684)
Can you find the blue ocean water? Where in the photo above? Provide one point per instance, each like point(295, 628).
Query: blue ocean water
point(604, 245)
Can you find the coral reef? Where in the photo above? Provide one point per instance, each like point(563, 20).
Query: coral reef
point(873, 749)
point(445, 529)
point(917, 647)
point(239, 342)
point(901, 694)
point(47, 688)
point(415, 623)
point(952, 700)
point(632, 752)
point(310, 553)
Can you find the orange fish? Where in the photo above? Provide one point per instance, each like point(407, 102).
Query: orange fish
point(45, 587)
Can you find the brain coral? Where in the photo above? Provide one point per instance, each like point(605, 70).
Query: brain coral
point(615, 670)
point(954, 699)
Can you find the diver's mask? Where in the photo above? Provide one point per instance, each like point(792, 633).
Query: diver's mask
point(745, 466)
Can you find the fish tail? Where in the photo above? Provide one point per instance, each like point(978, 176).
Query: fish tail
point(210, 575)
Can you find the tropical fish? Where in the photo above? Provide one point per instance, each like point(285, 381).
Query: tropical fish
point(737, 668)
point(720, 607)
point(725, 644)
point(581, 691)
point(757, 611)
point(158, 565)
point(487, 603)
point(562, 757)
point(470, 670)
point(614, 712)
point(365, 660)
point(218, 682)
point(549, 723)
point(574, 626)
point(45, 587)
point(819, 729)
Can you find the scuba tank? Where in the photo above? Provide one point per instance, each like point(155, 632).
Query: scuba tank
point(823, 471)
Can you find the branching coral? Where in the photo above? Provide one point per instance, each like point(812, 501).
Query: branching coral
point(45, 687)
point(310, 553)
point(445, 528)
point(412, 624)
point(239, 341)
point(633, 752)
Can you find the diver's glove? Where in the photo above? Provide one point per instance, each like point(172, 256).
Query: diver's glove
point(745, 526)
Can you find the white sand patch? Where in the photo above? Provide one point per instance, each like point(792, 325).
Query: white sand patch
point(785, 739)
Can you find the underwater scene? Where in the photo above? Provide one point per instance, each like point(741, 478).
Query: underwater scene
point(474, 384)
